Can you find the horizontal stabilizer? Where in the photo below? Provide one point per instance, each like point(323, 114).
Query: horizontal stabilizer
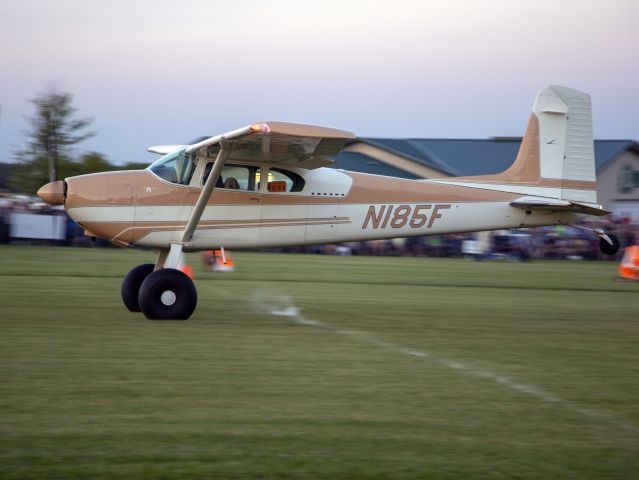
point(555, 204)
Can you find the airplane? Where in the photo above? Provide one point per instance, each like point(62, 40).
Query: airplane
point(269, 185)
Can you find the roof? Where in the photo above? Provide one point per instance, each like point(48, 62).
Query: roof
point(358, 162)
point(413, 150)
point(606, 150)
point(457, 157)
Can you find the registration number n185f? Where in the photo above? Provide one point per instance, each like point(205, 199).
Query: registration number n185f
point(397, 216)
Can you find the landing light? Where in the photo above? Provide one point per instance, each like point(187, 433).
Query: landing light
point(260, 127)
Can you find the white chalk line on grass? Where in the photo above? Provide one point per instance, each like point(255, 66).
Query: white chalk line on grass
point(284, 308)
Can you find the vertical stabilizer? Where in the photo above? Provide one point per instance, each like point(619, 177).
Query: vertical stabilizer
point(566, 148)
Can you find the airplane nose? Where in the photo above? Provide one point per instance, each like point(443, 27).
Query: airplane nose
point(52, 193)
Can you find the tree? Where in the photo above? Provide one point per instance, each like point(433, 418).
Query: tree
point(52, 133)
point(29, 176)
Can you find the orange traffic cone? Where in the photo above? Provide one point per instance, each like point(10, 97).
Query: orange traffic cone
point(184, 268)
point(223, 262)
point(187, 270)
point(629, 266)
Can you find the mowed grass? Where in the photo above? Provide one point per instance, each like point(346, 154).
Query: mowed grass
point(374, 368)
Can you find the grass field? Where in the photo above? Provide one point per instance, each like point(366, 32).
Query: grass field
point(319, 367)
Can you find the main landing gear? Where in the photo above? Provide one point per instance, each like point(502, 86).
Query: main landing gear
point(164, 294)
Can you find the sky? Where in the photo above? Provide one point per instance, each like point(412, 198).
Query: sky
point(152, 72)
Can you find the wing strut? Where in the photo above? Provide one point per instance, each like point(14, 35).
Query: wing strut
point(173, 258)
point(203, 199)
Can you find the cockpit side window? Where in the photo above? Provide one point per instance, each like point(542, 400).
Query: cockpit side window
point(176, 167)
point(235, 177)
point(280, 180)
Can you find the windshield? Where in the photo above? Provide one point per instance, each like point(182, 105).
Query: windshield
point(176, 167)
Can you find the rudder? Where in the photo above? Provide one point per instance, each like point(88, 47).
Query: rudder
point(566, 147)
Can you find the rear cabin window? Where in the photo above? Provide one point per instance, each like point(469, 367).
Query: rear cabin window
point(280, 180)
point(176, 167)
point(235, 177)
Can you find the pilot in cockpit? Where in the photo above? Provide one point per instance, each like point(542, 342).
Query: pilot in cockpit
point(231, 183)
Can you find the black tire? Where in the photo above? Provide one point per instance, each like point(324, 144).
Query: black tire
point(131, 285)
point(167, 294)
point(607, 248)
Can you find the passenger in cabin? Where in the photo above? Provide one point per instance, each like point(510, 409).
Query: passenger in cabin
point(231, 183)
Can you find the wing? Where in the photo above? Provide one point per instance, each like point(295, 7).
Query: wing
point(539, 203)
point(293, 144)
point(164, 149)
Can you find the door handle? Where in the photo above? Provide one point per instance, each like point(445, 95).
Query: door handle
point(255, 199)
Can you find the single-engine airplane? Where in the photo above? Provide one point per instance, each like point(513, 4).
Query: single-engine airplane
point(268, 185)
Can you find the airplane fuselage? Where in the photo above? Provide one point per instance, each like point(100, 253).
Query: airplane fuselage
point(140, 208)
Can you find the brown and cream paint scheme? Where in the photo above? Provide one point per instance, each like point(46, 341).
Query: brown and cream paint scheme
point(267, 185)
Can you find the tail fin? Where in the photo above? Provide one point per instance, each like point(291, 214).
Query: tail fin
point(557, 150)
point(566, 149)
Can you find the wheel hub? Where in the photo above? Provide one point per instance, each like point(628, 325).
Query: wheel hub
point(168, 298)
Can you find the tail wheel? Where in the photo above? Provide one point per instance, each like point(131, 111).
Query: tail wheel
point(167, 294)
point(131, 285)
point(607, 247)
